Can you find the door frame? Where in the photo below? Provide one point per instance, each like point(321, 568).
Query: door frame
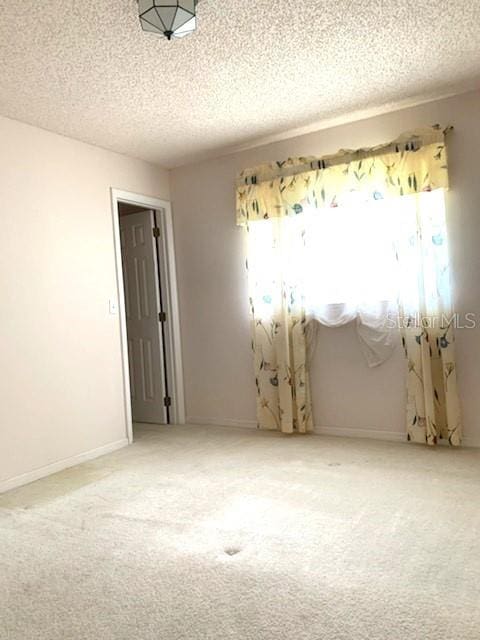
point(173, 346)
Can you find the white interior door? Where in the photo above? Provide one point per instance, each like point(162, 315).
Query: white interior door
point(144, 328)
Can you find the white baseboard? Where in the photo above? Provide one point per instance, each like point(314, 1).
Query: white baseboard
point(471, 442)
point(325, 431)
point(373, 434)
point(222, 422)
point(55, 467)
point(391, 436)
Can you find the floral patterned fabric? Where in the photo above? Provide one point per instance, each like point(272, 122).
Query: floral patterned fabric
point(413, 163)
point(268, 196)
point(283, 394)
point(428, 323)
point(433, 411)
point(279, 329)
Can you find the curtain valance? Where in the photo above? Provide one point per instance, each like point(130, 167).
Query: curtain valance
point(413, 163)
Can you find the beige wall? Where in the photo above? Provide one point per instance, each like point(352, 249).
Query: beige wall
point(60, 373)
point(213, 300)
point(60, 376)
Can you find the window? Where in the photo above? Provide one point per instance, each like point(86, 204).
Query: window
point(360, 258)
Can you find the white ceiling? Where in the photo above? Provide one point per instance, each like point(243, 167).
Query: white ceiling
point(253, 69)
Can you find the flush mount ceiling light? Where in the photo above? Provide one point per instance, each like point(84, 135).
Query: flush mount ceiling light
point(168, 17)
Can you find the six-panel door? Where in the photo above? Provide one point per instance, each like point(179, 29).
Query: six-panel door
point(142, 304)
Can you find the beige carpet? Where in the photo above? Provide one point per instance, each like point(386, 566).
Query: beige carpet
point(198, 533)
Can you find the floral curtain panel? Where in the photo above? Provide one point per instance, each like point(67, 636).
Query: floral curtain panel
point(427, 321)
point(279, 328)
point(288, 208)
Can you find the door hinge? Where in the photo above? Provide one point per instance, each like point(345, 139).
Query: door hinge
point(167, 401)
point(156, 232)
point(162, 316)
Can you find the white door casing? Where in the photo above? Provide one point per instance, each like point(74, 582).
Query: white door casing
point(142, 309)
point(173, 342)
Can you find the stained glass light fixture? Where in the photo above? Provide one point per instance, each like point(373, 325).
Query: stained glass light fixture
point(172, 18)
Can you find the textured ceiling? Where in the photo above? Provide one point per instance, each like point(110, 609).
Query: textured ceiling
point(253, 69)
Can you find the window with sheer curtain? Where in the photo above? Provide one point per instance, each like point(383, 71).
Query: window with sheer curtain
point(357, 236)
point(359, 261)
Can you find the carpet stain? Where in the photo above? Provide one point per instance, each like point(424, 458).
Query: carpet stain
point(232, 551)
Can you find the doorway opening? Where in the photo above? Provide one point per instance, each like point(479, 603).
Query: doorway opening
point(148, 311)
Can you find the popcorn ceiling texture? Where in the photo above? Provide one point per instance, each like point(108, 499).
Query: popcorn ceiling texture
point(253, 69)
